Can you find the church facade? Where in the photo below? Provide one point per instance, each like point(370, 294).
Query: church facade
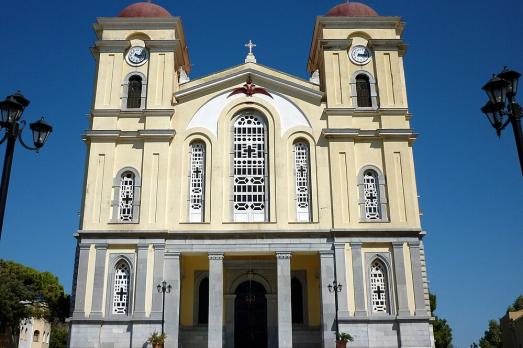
point(264, 204)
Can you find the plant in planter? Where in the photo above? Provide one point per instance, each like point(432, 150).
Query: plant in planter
point(342, 339)
point(157, 340)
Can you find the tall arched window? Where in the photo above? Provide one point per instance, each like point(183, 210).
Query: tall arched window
point(302, 181)
point(126, 197)
point(250, 168)
point(363, 91)
point(203, 301)
point(197, 182)
point(134, 92)
point(296, 301)
point(379, 287)
point(121, 288)
point(36, 336)
point(372, 195)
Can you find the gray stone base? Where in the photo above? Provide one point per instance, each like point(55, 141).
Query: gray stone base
point(111, 335)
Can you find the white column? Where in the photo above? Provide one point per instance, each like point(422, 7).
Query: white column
point(328, 308)
point(417, 279)
point(98, 284)
point(172, 300)
point(284, 300)
point(359, 286)
point(215, 327)
point(401, 281)
point(81, 280)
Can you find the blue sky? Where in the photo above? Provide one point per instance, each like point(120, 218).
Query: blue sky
point(469, 181)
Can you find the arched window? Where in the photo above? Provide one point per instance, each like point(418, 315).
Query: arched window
point(197, 182)
point(296, 301)
point(126, 197)
point(203, 301)
point(121, 288)
point(379, 287)
point(250, 168)
point(363, 91)
point(36, 336)
point(134, 92)
point(302, 181)
point(372, 196)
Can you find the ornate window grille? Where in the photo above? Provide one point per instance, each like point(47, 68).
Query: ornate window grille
point(134, 92)
point(379, 287)
point(197, 182)
point(126, 197)
point(121, 288)
point(302, 177)
point(363, 91)
point(249, 167)
point(371, 195)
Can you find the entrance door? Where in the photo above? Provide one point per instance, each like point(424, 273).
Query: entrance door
point(250, 316)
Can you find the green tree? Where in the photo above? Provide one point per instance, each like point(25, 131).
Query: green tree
point(517, 305)
point(442, 330)
point(19, 283)
point(492, 337)
point(59, 334)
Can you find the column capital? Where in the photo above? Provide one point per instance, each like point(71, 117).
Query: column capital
point(101, 246)
point(397, 244)
point(326, 253)
point(414, 244)
point(142, 245)
point(283, 254)
point(84, 246)
point(159, 246)
point(355, 245)
point(216, 256)
point(339, 245)
point(172, 254)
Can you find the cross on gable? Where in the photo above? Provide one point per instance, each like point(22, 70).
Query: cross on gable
point(378, 291)
point(250, 45)
point(249, 151)
point(121, 293)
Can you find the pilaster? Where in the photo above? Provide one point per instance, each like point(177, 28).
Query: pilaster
point(359, 286)
point(81, 280)
point(159, 251)
point(172, 300)
point(141, 281)
point(284, 299)
point(341, 276)
point(328, 307)
point(401, 281)
point(215, 327)
point(98, 284)
point(417, 279)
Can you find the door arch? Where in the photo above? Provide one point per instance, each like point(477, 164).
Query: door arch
point(250, 315)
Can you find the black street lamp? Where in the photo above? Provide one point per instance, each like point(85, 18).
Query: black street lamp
point(501, 91)
point(163, 288)
point(335, 288)
point(11, 110)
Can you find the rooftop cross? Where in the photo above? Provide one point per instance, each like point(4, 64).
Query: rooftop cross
point(250, 56)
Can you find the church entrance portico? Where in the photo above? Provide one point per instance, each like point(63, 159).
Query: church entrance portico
point(250, 316)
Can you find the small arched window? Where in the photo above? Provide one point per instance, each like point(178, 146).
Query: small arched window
point(203, 301)
point(302, 181)
point(371, 195)
point(126, 197)
point(197, 182)
point(134, 92)
point(250, 203)
point(363, 91)
point(379, 288)
point(296, 301)
point(36, 336)
point(121, 288)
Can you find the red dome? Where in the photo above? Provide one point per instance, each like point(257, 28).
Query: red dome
point(352, 9)
point(144, 9)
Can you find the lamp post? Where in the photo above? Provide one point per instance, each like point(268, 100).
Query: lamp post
point(335, 288)
point(11, 110)
point(163, 288)
point(501, 91)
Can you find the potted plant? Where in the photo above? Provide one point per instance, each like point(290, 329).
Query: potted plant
point(157, 340)
point(342, 339)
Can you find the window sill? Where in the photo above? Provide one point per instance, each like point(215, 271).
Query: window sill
point(195, 223)
point(123, 223)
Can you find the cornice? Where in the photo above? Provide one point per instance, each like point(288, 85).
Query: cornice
point(162, 45)
point(110, 46)
point(114, 135)
point(368, 134)
point(132, 113)
point(258, 77)
point(133, 23)
point(388, 45)
point(335, 44)
point(367, 112)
